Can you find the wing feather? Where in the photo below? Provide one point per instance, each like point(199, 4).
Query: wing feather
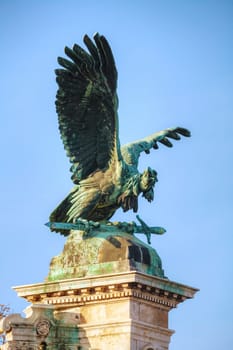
point(132, 151)
point(108, 64)
point(86, 103)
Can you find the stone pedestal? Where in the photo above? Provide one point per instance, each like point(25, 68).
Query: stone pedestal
point(105, 291)
point(104, 252)
point(121, 311)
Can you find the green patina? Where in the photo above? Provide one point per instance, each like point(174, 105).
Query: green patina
point(104, 253)
point(62, 335)
point(105, 174)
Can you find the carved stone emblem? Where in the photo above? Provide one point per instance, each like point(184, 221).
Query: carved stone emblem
point(43, 327)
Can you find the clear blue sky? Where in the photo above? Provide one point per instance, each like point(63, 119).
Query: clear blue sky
point(174, 60)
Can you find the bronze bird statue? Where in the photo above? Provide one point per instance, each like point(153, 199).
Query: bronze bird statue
point(104, 173)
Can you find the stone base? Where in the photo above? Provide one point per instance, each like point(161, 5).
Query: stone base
point(104, 253)
point(121, 311)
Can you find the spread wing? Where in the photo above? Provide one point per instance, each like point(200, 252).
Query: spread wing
point(131, 151)
point(86, 103)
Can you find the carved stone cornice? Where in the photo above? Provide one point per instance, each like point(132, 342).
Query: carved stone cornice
point(81, 291)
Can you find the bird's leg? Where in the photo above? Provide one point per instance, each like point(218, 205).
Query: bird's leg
point(86, 224)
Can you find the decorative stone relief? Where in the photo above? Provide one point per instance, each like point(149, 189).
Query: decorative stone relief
point(43, 327)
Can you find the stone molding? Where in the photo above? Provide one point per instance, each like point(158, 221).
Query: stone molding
point(107, 287)
point(98, 294)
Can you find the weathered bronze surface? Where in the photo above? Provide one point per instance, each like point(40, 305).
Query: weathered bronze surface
point(104, 252)
point(104, 173)
point(89, 226)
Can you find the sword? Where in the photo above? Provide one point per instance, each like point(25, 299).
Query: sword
point(88, 226)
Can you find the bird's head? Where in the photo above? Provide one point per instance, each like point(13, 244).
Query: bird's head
point(147, 182)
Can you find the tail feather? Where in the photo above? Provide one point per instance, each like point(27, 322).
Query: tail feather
point(60, 213)
point(79, 203)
